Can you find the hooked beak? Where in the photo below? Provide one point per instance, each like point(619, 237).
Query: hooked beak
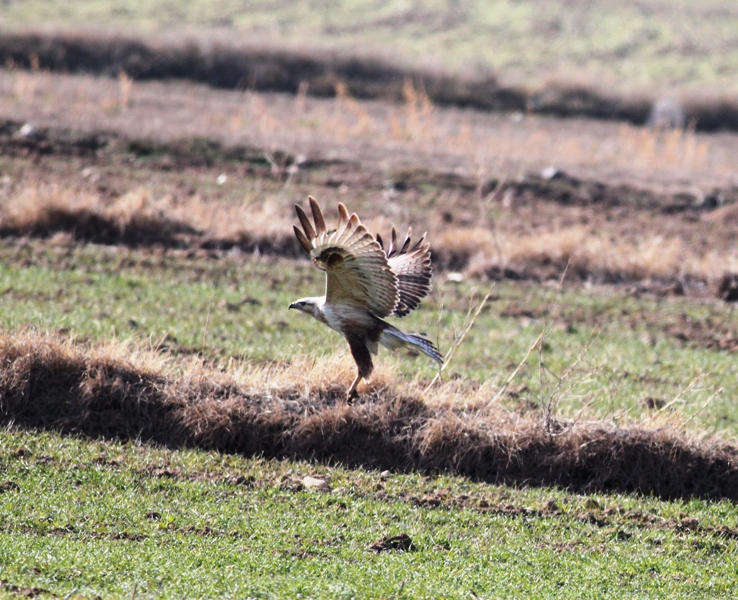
point(294, 305)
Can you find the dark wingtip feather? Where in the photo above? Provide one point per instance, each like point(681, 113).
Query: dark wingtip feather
point(419, 242)
point(393, 243)
point(305, 222)
point(317, 215)
point(406, 244)
point(302, 239)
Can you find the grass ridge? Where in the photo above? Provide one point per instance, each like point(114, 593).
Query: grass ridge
point(52, 383)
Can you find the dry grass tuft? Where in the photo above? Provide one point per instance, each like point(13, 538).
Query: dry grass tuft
point(137, 219)
point(581, 253)
point(296, 411)
point(131, 219)
point(257, 225)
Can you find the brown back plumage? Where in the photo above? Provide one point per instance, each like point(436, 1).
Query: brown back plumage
point(357, 270)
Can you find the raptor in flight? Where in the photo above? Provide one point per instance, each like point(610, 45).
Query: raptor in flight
point(364, 284)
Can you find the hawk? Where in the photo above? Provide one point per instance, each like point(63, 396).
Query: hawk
point(365, 284)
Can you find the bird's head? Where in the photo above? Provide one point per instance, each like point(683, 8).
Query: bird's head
point(311, 306)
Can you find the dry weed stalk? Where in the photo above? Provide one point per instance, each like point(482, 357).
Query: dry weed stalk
point(125, 87)
point(661, 148)
point(363, 124)
point(414, 121)
point(514, 374)
point(553, 422)
point(460, 338)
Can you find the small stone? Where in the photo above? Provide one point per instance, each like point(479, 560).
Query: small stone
point(313, 483)
point(551, 173)
point(28, 131)
point(385, 475)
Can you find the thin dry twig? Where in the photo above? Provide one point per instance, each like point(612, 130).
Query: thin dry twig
point(676, 398)
point(459, 340)
point(704, 405)
point(514, 374)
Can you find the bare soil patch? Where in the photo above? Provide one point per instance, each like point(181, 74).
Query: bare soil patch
point(45, 383)
point(382, 136)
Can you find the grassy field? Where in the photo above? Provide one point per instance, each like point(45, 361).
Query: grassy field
point(671, 45)
point(88, 518)
point(161, 407)
point(602, 352)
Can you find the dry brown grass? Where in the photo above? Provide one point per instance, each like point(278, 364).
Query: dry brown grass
point(296, 411)
point(131, 219)
point(581, 252)
point(137, 218)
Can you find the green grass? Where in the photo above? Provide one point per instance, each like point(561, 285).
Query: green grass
point(104, 518)
point(610, 349)
point(95, 517)
point(654, 42)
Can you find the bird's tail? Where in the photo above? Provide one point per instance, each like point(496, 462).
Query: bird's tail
point(393, 339)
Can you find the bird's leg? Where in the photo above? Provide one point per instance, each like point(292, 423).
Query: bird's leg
point(352, 393)
point(363, 358)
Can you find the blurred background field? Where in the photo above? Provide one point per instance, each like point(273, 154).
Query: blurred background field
point(667, 45)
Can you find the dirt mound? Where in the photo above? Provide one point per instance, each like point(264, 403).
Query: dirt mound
point(50, 383)
point(91, 226)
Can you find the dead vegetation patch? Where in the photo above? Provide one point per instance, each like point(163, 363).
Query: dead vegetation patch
point(321, 73)
point(562, 229)
point(129, 221)
point(116, 392)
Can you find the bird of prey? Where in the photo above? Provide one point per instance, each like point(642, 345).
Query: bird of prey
point(364, 284)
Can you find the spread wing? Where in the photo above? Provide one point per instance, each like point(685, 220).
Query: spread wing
point(358, 272)
point(412, 265)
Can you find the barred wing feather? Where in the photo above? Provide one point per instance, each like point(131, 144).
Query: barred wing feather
point(412, 265)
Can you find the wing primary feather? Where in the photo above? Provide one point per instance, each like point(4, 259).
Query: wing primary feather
point(343, 220)
point(407, 240)
point(343, 214)
point(379, 241)
point(317, 215)
point(393, 244)
point(302, 239)
point(419, 242)
point(354, 220)
point(305, 222)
